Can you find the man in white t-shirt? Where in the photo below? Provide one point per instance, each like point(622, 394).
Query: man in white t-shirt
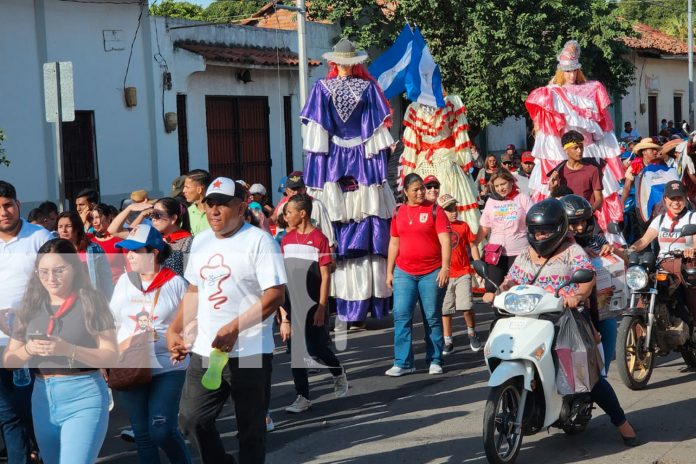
point(667, 227)
point(19, 242)
point(237, 281)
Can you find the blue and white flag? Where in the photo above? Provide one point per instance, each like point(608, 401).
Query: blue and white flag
point(650, 187)
point(423, 80)
point(391, 66)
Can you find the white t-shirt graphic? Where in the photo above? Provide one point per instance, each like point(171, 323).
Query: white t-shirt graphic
point(231, 275)
point(668, 237)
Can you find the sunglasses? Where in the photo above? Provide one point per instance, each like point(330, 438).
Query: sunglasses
point(158, 215)
point(507, 162)
point(432, 187)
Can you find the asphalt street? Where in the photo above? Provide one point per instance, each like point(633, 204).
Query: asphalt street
point(438, 419)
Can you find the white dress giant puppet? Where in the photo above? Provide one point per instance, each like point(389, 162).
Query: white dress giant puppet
point(346, 141)
point(436, 142)
point(569, 102)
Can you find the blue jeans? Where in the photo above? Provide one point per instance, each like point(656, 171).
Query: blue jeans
point(607, 328)
point(12, 401)
point(407, 290)
point(153, 411)
point(71, 415)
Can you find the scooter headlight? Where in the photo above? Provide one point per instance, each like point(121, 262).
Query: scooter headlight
point(636, 278)
point(521, 304)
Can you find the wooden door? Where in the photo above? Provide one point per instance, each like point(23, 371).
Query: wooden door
point(238, 138)
point(80, 168)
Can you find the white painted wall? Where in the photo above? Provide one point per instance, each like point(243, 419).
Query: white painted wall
point(191, 75)
point(665, 77)
point(511, 131)
point(33, 32)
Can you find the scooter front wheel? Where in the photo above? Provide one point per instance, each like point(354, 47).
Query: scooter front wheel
point(634, 360)
point(501, 441)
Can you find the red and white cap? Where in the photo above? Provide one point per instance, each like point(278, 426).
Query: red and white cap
point(569, 58)
point(224, 189)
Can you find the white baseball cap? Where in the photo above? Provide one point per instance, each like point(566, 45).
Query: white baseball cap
point(224, 189)
point(257, 188)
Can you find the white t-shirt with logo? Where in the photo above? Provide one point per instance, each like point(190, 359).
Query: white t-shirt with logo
point(134, 314)
point(668, 237)
point(231, 275)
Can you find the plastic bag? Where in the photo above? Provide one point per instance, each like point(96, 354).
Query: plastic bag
point(578, 361)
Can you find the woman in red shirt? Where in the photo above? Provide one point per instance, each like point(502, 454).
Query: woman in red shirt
point(418, 269)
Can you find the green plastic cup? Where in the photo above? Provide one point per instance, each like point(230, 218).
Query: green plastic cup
point(212, 379)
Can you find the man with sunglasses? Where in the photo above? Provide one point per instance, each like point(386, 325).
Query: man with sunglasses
point(432, 188)
point(507, 162)
point(19, 242)
point(582, 176)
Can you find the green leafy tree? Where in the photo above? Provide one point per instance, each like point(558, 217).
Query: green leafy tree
point(669, 16)
point(226, 10)
point(494, 52)
point(3, 158)
point(220, 10)
point(174, 9)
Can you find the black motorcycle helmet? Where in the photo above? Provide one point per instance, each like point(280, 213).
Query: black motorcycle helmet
point(578, 209)
point(547, 216)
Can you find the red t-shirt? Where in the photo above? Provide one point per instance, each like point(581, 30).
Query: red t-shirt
point(419, 246)
point(116, 256)
point(584, 181)
point(314, 246)
point(462, 237)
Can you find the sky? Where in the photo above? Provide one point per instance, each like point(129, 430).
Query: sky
point(202, 3)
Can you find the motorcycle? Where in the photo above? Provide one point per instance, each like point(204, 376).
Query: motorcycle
point(657, 320)
point(519, 355)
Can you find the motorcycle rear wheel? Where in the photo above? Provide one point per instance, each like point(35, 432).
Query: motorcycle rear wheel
point(634, 361)
point(500, 441)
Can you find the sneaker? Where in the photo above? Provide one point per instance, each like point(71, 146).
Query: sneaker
point(435, 369)
point(270, 426)
point(340, 385)
point(357, 326)
point(475, 343)
point(127, 435)
point(301, 404)
point(449, 347)
point(396, 371)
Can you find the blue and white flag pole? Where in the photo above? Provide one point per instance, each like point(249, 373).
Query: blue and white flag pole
point(423, 79)
point(390, 67)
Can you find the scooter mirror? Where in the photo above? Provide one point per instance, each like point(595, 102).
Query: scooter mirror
point(614, 228)
point(582, 276)
point(688, 230)
point(480, 268)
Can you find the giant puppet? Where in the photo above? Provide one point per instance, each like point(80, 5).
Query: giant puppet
point(570, 102)
point(436, 142)
point(346, 141)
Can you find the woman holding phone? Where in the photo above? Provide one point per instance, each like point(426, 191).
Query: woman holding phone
point(65, 330)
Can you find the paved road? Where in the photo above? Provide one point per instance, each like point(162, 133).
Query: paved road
point(437, 419)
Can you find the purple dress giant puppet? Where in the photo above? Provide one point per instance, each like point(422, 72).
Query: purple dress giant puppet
point(346, 140)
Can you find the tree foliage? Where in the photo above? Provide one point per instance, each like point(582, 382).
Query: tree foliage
point(3, 158)
point(669, 16)
point(220, 10)
point(494, 52)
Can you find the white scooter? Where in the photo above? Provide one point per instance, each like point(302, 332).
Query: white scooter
point(519, 354)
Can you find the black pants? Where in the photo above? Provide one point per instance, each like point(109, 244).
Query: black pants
point(317, 345)
point(498, 272)
point(200, 408)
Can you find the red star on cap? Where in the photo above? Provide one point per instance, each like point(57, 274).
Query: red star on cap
point(217, 184)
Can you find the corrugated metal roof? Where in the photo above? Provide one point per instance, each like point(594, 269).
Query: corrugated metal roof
point(259, 56)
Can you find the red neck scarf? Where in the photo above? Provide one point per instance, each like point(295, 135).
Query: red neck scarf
point(176, 236)
point(163, 276)
point(64, 308)
point(513, 194)
point(675, 219)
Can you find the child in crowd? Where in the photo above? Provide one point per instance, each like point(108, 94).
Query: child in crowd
point(458, 295)
point(304, 242)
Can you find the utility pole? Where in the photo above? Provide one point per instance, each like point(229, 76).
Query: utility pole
point(301, 45)
point(691, 65)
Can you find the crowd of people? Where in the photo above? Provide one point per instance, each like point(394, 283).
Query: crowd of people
point(172, 303)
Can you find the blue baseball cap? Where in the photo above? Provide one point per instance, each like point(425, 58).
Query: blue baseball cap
point(281, 186)
point(140, 236)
